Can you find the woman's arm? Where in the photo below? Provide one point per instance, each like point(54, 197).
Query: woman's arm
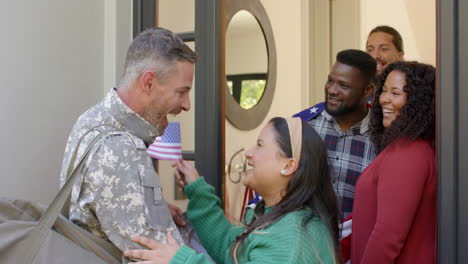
point(159, 253)
point(204, 211)
point(214, 230)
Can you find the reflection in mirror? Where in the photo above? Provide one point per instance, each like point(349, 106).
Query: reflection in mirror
point(246, 59)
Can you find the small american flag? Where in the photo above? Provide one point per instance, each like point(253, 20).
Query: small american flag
point(167, 146)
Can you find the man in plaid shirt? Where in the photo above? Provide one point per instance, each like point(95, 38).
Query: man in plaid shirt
point(342, 121)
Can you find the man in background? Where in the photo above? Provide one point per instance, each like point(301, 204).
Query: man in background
point(342, 121)
point(385, 45)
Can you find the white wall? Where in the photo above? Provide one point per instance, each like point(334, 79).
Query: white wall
point(51, 70)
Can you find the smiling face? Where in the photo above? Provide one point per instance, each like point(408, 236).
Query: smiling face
point(393, 97)
point(266, 161)
point(170, 96)
point(345, 90)
point(381, 47)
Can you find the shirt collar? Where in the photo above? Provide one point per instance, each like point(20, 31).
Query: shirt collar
point(363, 124)
point(129, 119)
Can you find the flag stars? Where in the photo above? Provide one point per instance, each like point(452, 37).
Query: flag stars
point(313, 110)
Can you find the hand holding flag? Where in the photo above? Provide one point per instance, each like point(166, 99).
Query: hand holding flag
point(168, 146)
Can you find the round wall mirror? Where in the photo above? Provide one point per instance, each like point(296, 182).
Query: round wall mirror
point(250, 63)
point(246, 59)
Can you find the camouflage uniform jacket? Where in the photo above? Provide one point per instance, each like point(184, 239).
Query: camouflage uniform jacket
point(108, 198)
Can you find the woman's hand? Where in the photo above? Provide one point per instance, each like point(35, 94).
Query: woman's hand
point(176, 214)
point(158, 253)
point(185, 173)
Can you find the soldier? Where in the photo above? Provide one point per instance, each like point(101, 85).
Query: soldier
point(385, 45)
point(342, 121)
point(118, 194)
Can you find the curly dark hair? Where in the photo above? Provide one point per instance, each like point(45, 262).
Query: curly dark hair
point(417, 117)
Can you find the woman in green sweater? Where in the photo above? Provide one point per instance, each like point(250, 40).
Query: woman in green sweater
point(295, 222)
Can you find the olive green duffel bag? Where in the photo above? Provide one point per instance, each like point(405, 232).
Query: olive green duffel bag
point(29, 233)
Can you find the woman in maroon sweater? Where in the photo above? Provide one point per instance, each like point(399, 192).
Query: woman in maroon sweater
point(394, 214)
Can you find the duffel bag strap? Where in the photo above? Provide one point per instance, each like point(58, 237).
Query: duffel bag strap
point(36, 238)
point(99, 246)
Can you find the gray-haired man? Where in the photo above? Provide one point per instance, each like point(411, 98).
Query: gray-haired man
point(109, 199)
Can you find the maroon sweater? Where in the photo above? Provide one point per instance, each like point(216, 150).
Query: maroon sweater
point(394, 213)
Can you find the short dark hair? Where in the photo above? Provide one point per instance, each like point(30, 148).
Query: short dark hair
point(417, 117)
point(397, 39)
point(360, 60)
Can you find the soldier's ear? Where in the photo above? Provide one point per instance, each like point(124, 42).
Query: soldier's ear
point(147, 82)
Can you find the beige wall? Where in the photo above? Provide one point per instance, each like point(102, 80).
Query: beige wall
point(177, 15)
point(414, 19)
point(345, 26)
point(316, 48)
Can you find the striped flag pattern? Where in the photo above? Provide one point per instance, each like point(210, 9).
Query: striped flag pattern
point(345, 239)
point(168, 146)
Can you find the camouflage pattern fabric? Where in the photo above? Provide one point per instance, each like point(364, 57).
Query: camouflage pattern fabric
point(108, 198)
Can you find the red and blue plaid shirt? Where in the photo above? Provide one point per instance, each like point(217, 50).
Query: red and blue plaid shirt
point(349, 153)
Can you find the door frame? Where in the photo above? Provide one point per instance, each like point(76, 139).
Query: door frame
point(452, 120)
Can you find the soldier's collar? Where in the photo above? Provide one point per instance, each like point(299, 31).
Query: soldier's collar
point(129, 119)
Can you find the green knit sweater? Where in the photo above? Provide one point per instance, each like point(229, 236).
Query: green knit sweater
point(285, 241)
